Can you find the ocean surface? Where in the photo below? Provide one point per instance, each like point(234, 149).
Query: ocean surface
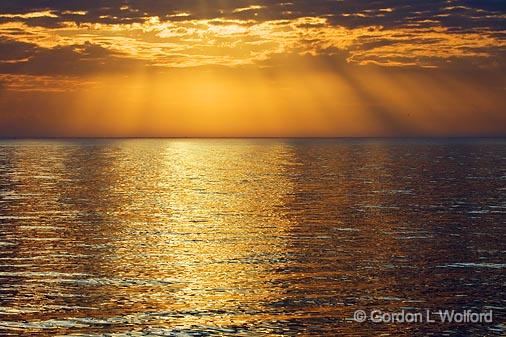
point(250, 237)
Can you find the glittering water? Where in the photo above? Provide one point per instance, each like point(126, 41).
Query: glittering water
point(253, 238)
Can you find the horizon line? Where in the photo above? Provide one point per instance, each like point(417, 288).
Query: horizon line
point(248, 137)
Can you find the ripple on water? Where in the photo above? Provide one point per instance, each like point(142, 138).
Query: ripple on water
point(248, 238)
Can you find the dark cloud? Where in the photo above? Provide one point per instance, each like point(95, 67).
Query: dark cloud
point(11, 51)
point(16, 57)
point(74, 60)
point(457, 14)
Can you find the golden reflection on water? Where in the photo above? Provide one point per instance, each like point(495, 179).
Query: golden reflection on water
point(200, 237)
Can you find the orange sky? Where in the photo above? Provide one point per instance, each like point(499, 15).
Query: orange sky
point(252, 68)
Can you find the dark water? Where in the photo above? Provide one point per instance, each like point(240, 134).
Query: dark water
point(251, 238)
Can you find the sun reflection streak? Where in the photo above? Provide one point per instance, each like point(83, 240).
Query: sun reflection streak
point(214, 198)
point(219, 220)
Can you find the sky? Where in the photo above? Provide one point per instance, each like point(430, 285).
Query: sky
point(222, 68)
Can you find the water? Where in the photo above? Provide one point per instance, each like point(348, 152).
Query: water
point(249, 238)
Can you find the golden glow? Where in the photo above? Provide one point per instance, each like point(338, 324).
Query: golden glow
point(175, 75)
point(234, 42)
point(264, 103)
point(47, 14)
point(180, 234)
point(247, 9)
point(193, 243)
point(75, 13)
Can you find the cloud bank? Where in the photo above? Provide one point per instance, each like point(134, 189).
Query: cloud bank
point(68, 46)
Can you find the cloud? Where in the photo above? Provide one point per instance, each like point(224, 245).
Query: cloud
point(387, 13)
point(87, 37)
point(12, 51)
point(72, 60)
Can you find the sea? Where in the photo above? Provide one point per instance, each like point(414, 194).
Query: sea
point(253, 237)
